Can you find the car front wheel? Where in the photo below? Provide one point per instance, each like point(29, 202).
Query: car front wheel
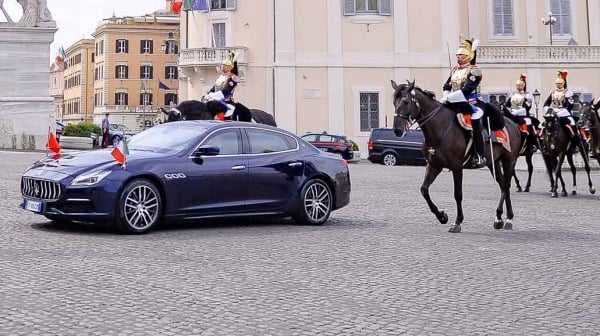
point(139, 207)
point(316, 203)
point(389, 159)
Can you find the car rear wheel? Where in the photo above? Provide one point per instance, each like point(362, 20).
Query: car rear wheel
point(389, 159)
point(139, 207)
point(316, 203)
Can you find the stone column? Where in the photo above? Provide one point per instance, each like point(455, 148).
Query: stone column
point(26, 108)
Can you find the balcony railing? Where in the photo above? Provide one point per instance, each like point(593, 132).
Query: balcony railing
point(210, 56)
point(538, 54)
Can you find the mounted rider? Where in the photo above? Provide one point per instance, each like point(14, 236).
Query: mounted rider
point(224, 87)
point(462, 88)
point(560, 100)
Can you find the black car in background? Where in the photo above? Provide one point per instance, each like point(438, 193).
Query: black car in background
point(336, 144)
point(388, 149)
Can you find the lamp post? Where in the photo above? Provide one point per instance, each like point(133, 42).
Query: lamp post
point(536, 100)
point(549, 21)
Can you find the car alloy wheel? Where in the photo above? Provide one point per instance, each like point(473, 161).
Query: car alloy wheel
point(390, 159)
point(140, 207)
point(316, 203)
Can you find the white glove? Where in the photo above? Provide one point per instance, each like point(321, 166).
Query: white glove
point(217, 95)
point(444, 98)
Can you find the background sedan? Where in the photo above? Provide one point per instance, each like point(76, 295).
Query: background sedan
point(190, 170)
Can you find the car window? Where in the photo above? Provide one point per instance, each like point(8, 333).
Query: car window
point(165, 138)
point(310, 137)
point(265, 141)
point(327, 138)
point(227, 140)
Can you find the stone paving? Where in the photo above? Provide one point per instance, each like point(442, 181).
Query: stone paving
point(381, 266)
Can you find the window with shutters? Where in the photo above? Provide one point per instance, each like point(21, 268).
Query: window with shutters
point(561, 9)
point(145, 98)
point(372, 7)
point(146, 47)
point(122, 46)
point(369, 111)
point(219, 35)
point(121, 98)
point(171, 72)
point(222, 4)
point(502, 11)
point(170, 47)
point(146, 72)
point(122, 72)
point(171, 99)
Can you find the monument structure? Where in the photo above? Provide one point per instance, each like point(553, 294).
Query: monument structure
point(26, 108)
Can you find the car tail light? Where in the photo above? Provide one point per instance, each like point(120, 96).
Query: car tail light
point(345, 163)
point(370, 144)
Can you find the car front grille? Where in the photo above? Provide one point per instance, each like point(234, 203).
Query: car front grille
point(38, 189)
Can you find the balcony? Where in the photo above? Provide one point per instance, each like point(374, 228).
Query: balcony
point(500, 54)
point(210, 57)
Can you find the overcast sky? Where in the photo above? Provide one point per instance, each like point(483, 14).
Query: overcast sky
point(77, 19)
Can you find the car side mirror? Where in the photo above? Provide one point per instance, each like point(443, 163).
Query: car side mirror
point(207, 150)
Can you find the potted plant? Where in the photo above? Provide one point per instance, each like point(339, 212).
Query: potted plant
point(356, 151)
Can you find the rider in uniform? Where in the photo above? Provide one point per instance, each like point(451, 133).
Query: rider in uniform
point(519, 104)
point(561, 101)
point(462, 87)
point(224, 87)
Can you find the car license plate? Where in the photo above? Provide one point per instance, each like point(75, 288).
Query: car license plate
point(34, 206)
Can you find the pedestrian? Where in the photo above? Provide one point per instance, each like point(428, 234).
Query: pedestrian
point(105, 131)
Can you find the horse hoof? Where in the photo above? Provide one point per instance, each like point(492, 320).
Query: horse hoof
point(455, 228)
point(574, 192)
point(508, 225)
point(443, 218)
point(498, 224)
point(564, 193)
point(554, 194)
point(592, 190)
point(526, 189)
point(519, 189)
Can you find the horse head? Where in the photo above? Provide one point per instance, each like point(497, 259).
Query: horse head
point(408, 103)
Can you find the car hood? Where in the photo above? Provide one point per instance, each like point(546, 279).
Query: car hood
point(78, 162)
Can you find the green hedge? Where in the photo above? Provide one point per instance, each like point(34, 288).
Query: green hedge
point(354, 145)
point(81, 129)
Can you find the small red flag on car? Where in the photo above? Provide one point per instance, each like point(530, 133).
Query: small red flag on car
point(52, 143)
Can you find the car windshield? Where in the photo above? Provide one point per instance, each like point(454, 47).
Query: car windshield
point(165, 138)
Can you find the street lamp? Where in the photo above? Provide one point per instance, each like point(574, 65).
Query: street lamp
point(549, 21)
point(536, 100)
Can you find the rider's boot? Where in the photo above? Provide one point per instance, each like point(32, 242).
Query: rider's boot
point(479, 160)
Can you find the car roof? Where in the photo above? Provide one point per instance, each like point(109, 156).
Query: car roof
point(216, 124)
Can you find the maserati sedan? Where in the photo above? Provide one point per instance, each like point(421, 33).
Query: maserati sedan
point(190, 170)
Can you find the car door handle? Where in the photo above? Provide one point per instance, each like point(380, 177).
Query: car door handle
point(295, 164)
point(239, 167)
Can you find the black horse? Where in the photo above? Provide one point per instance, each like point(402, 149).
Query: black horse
point(445, 146)
point(557, 144)
point(590, 119)
point(198, 110)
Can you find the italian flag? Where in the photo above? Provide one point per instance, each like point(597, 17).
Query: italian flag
point(120, 152)
point(176, 6)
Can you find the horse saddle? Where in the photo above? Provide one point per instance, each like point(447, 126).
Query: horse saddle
point(499, 136)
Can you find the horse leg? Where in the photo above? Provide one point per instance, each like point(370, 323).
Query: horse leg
point(430, 175)
point(518, 185)
point(507, 166)
point(529, 160)
point(549, 163)
point(457, 176)
point(498, 222)
point(586, 164)
point(558, 174)
point(573, 173)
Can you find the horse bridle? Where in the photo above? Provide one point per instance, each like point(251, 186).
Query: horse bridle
point(424, 119)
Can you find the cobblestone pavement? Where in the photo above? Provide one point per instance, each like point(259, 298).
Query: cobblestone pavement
point(381, 266)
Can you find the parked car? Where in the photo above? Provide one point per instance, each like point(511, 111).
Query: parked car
point(331, 143)
point(190, 170)
point(388, 149)
point(117, 132)
point(60, 127)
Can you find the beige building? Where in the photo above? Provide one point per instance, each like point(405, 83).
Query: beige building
point(78, 81)
point(327, 64)
point(135, 68)
point(57, 75)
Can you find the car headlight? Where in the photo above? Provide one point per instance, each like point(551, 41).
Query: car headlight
point(90, 178)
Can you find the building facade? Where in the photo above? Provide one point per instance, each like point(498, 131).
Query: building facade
point(56, 85)
point(135, 68)
point(77, 82)
point(327, 64)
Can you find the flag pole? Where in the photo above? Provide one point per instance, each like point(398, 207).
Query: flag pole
point(48, 142)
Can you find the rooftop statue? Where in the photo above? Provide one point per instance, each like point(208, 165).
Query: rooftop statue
point(35, 14)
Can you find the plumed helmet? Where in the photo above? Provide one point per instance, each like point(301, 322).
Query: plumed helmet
point(469, 49)
point(229, 60)
point(522, 81)
point(561, 77)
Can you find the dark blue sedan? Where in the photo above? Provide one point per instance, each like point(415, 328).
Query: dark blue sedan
point(191, 170)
